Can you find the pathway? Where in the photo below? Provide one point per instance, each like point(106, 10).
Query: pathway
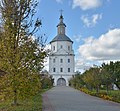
point(68, 99)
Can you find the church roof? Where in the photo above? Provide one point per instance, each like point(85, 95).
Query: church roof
point(61, 37)
point(61, 21)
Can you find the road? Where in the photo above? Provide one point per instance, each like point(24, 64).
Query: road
point(68, 99)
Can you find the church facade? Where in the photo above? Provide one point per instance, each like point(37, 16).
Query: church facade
point(61, 57)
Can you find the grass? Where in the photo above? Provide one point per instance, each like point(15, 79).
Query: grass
point(115, 95)
point(33, 104)
point(112, 95)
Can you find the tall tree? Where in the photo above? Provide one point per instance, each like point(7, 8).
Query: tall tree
point(92, 78)
point(116, 74)
point(107, 76)
point(77, 80)
point(112, 73)
point(21, 57)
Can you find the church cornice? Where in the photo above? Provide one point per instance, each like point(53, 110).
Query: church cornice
point(61, 54)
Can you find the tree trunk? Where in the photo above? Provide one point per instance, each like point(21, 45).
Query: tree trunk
point(15, 98)
point(97, 88)
point(107, 88)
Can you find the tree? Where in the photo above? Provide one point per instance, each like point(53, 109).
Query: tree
point(111, 73)
point(46, 80)
point(116, 74)
point(21, 57)
point(107, 75)
point(77, 81)
point(88, 78)
point(92, 78)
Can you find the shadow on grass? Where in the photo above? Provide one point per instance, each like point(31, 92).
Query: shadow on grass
point(33, 104)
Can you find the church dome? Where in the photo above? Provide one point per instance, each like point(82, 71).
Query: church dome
point(61, 22)
point(61, 37)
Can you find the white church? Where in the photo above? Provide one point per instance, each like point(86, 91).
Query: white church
point(61, 57)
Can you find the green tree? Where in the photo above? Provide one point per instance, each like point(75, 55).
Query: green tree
point(111, 73)
point(21, 57)
point(88, 78)
point(107, 76)
point(77, 81)
point(92, 78)
point(116, 74)
point(47, 82)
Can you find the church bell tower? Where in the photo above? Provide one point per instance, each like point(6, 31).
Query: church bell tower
point(61, 57)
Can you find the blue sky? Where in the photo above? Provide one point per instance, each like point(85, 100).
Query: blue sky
point(93, 25)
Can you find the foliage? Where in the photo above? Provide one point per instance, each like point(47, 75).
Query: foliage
point(116, 73)
point(98, 77)
point(95, 79)
point(47, 82)
point(112, 96)
point(115, 95)
point(111, 74)
point(21, 57)
point(77, 81)
point(92, 78)
point(106, 75)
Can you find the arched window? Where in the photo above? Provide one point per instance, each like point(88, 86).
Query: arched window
point(54, 69)
point(53, 47)
point(68, 69)
point(61, 60)
point(61, 69)
point(69, 48)
point(53, 60)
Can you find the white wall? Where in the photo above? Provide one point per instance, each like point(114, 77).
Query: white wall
point(61, 52)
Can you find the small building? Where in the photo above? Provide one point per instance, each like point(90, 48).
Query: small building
point(61, 57)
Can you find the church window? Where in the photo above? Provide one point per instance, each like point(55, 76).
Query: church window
point(53, 47)
point(61, 60)
point(53, 60)
point(53, 69)
point(61, 69)
point(68, 47)
point(68, 69)
point(61, 30)
point(68, 60)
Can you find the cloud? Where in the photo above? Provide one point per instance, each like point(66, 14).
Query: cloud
point(106, 47)
point(91, 21)
point(59, 1)
point(81, 64)
point(86, 4)
point(77, 38)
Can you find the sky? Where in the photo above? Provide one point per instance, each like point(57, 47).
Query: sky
point(93, 26)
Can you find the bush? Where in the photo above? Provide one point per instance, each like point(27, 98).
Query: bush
point(46, 83)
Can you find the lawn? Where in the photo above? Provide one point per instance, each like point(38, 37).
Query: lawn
point(112, 95)
point(33, 104)
point(115, 94)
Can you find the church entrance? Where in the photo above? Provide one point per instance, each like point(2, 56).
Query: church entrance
point(61, 82)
